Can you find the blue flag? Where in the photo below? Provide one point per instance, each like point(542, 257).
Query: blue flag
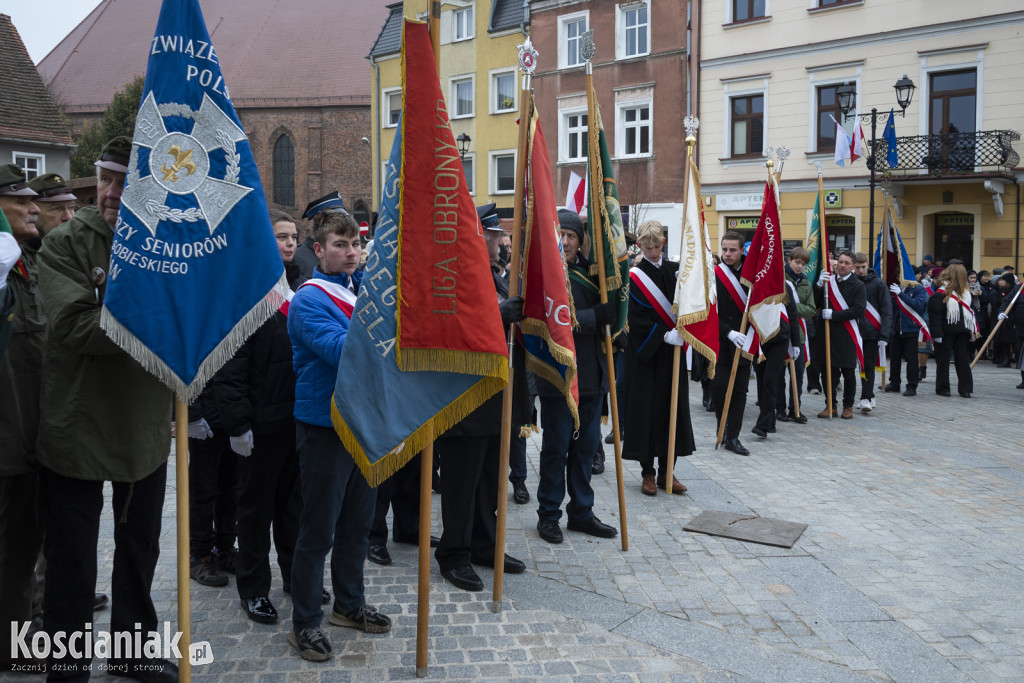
point(194, 266)
point(889, 135)
point(896, 269)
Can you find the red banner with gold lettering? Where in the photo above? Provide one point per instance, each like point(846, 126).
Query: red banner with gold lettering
point(448, 317)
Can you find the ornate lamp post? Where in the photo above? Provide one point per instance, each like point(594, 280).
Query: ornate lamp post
point(463, 141)
point(847, 96)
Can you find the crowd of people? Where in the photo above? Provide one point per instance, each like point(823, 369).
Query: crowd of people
point(267, 468)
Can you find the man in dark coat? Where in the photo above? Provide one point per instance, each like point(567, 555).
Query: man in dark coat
point(566, 462)
point(649, 352)
point(905, 329)
point(874, 326)
point(732, 296)
point(844, 339)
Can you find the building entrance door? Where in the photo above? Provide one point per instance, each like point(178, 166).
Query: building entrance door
point(954, 237)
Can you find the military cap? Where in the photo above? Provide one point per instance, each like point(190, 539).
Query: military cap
point(13, 183)
point(51, 188)
point(570, 220)
point(331, 201)
point(115, 154)
point(488, 215)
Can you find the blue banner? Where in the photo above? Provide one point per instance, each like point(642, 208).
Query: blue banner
point(194, 266)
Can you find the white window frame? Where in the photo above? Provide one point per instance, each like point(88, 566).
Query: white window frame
point(564, 133)
point(492, 97)
point(470, 157)
point(40, 160)
point(453, 83)
point(621, 12)
point(730, 19)
point(385, 108)
point(563, 38)
point(470, 27)
point(492, 167)
point(740, 88)
point(621, 133)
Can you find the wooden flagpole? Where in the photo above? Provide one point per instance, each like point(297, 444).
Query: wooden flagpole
point(677, 352)
point(427, 454)
point(828, 326)
point(784, 153)
point(514, 281)
point(992, 334)
point(184, 576)
point(597, 202)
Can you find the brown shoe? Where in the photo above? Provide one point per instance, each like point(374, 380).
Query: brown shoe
point(648, 487)
point(824, 413)
point(847, 413)
point(677, 486)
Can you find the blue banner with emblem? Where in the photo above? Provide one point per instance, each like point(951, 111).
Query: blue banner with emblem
point(194, 266)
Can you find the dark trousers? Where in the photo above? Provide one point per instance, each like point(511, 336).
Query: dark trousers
point(517, 458)
point(785, 383)
point(903, 349)
point(955, 344)
point(401, 493)
point(566, 462)
point(768, 372)
point(72, 510)
point(739, 391)
point(21, 537)
point(268, 497)
point(212, 494)
point(849, 376)
point(469, 492)
point(867, 383)
point(337, 510)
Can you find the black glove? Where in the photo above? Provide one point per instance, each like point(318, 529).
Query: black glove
point(619, 342)
point(604, 314)
point(511, 310)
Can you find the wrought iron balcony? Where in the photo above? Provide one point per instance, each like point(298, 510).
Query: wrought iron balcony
point(952, 155)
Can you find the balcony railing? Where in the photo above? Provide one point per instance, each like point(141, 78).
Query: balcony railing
point(952, 154)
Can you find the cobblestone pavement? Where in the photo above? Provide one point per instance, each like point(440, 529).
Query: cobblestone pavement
point(909, 569)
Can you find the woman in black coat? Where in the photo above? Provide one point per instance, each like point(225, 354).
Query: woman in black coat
point(953, 326)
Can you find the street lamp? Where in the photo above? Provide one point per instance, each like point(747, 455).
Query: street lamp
point(846, 94)
point(463, 141)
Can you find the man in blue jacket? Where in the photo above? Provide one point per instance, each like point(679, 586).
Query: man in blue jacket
point(905, 329)
point(338, 503)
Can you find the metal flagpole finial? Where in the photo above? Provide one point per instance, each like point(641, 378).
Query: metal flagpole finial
point(768, 153)
point(820, 165)
point(886, 186)
point(587, 48)
point(691, 123)
point(527, 57)
point(782, 153)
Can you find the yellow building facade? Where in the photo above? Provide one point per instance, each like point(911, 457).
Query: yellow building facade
point(480, 81)
point(773, 77)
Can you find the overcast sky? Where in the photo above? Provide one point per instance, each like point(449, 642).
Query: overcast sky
point(43, 23)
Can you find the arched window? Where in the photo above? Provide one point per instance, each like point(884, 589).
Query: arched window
point(361, 213)
point(284, 171)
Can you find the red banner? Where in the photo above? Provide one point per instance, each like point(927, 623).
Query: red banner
point(763, 271)
point(448, 316)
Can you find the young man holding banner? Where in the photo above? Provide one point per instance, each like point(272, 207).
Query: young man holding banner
point(843, 300)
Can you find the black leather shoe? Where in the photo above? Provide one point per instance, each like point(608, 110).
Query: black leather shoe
point(892, 388)
point(736, 447)
point(911, 391)
point(378, 554)
point(610, 439)
point(520, 494)
point(598, 466)
point(801, 419)
point(145, 670)
point(594, 527)
point(760, 432)
point(512, 565)
point(549, 531)
point(463, 577)
point(100, 601)
point(781, 416)
point(260, 609)
point(942, 392)
point(965, 394)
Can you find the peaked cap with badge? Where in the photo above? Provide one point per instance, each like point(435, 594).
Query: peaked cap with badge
point(51, 188)
point(13, 183)
point(115, 154)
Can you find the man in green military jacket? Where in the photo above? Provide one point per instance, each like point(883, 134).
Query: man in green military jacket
point(106, 419)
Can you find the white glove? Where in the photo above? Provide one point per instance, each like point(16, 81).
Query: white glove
point(200, 429)
point(895, 289)
point(10, 252)
point(824, 277)
point(882, 345)
point(826, 314)
point(1003, 316)
point(674, 338)
point(794, 352)
point(736, 338)
point(242, 444)
point(937, 340)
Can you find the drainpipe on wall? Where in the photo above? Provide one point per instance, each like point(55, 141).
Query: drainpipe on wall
point(526, 18)
point(693, 55)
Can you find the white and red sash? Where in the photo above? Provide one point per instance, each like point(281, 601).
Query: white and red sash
point(752, 344)
point(662, 306)
point(871, 313)
point(839, 302)
point(806, 345)
point(286, 303)
point(915, 316)
point(967, 313)
point(342, 297)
